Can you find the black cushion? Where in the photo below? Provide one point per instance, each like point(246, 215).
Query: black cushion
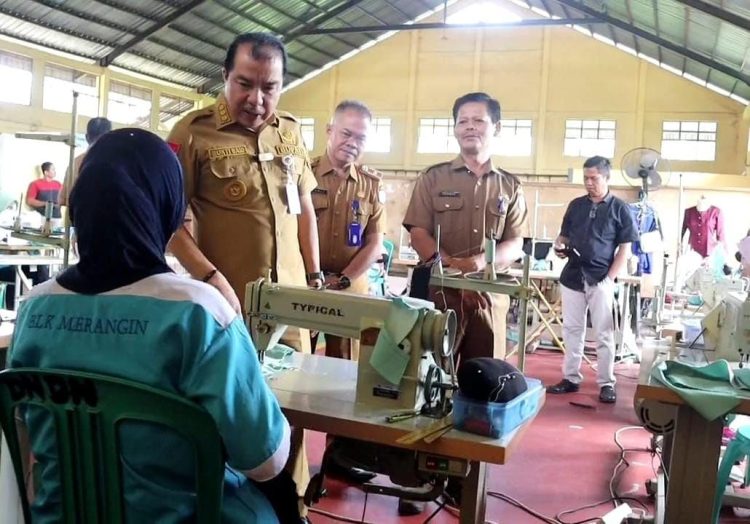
point(490, 380)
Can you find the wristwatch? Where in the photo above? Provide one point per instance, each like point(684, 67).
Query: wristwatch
point(317, 275)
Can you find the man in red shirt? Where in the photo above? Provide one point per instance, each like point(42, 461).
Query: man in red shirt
point(44, 190)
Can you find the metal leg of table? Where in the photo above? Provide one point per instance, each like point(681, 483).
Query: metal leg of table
point(474, 494)
point(695, 455)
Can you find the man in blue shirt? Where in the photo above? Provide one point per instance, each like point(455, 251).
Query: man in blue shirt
point(595, 236)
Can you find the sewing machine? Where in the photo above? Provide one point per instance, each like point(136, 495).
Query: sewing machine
point(727, 328)
point(429, 373)
point(713, 289)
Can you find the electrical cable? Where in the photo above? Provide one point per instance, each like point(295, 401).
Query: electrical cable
point(520, 505)
point(441, 505)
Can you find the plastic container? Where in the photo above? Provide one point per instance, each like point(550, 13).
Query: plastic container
point(493, 419)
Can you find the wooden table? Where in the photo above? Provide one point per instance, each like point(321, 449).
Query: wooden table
point(22, 281)
point(693, 462)
point(320, 395)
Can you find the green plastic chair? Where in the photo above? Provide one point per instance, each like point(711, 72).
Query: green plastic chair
point(378, 278)
point(87, 410)
point(737, 449)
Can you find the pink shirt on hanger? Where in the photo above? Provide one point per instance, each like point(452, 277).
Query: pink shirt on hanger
point(706, 229)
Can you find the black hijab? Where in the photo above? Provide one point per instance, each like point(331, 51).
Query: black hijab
point(125, 206)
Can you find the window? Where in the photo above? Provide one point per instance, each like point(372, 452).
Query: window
point(436, 136)
point(689, 140)
point(59, 84)
point(129, 104)
point(15, 70)
point(514, 139)
point(171, 109)
point(307, 128)
point(483, 13)
point(589, 137)
point(379, 140)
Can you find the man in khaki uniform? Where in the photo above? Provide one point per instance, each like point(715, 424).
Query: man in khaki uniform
point(94, 129)
point(349, 205)
point(471, 200)
point(248, 182)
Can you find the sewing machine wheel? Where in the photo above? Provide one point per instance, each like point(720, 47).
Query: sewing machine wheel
point(433, 393)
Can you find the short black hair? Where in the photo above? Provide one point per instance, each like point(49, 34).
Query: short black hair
point(96, 128)
point(46, 166)
point(493, 106)
point(602, 164)
point(261, 42)
point(353, 105)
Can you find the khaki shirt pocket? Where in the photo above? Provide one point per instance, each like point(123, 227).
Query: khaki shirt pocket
point(448, 213)
point(232, 166)
point(319, 200)
point(232, 179)
point(495, 221)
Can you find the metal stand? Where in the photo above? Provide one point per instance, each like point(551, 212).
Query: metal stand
point(45, 236)
point(500, 284)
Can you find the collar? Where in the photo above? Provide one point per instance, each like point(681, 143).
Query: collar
point(324, 167)
point(606, 198)
point(224, 118)
point(459, 164)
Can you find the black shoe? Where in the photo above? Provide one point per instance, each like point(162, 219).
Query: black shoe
point(607, 395)
point(407, 508)
point(564, 386)
point(350, 475)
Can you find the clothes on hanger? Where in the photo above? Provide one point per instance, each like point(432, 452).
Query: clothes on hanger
point(647, 221)
point(706, 229)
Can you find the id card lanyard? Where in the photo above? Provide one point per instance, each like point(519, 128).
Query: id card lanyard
point(354, 231)
point(292, 192)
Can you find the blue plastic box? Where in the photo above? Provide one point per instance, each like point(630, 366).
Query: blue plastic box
point(494, 419)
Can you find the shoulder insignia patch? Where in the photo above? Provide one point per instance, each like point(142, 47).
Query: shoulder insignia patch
point(224, 116)
point(371, 172)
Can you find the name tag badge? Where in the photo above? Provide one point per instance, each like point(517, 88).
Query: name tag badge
point(292, 198)
point(450, 194)
point(354, 235)
point(265, 157)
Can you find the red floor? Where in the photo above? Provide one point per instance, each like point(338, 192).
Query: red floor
point(565, 460)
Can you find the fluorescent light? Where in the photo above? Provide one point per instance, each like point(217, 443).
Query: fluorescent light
point(540, 12)
point(649, 59)
point(604, 39)
point(670, 68)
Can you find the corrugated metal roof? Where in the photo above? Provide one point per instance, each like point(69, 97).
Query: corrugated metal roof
point(709, 40)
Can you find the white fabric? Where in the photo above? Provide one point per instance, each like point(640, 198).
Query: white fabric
point(599, 300)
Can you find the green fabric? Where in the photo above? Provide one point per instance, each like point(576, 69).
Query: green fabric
point(712, 390)
point(390, 356)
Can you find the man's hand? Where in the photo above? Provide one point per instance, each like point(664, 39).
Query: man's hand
point(332, 281)
point(315, 283)
point(220, 282)
point(467, 264)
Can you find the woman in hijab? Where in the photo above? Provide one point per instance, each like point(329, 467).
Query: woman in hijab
point(121, 312)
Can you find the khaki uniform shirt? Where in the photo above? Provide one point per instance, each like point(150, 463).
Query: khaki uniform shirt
point(333, 207)
point(71, 175)
point(235, 184)
point(467, 209)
